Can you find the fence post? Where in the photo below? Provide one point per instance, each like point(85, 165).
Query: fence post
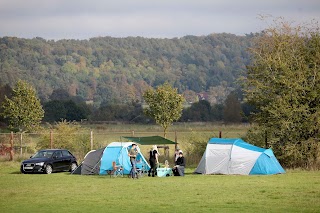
point(91, 140)
point(21, 144)
point(11, 149)
point(132, 133)
point(220, 134)
point(51, 139)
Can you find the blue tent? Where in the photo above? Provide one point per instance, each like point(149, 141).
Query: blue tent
point(235, 156)
point(118, 152)
point(100, 161)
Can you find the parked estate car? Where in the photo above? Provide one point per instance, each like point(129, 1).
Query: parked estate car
point(49, 160)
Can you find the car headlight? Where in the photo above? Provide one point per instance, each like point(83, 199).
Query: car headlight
point(40, 164)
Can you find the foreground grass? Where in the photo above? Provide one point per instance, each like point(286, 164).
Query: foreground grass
point(296, 191)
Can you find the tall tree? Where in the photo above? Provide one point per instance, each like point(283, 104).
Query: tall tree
point(283, 83)
point(164, 105)
point(23, 110)
point(232, 109)
point(5, 91)
point(199, 111)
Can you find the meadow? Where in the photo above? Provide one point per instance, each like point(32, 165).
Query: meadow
point(295, 191)
point(103, 134)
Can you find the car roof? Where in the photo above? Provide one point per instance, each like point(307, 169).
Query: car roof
point(52, 150)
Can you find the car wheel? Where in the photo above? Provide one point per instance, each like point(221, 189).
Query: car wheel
point(22, 171)
point(73, 166)
point(48, 169)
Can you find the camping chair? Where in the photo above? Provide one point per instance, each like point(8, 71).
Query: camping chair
point(117, 170)
point(141, 169)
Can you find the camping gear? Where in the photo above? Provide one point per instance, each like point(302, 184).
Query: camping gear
point(235, 156)
point(101, 161)
point(91, 163)
point(164, 172)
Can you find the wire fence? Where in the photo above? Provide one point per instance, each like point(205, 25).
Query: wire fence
point(17, 146)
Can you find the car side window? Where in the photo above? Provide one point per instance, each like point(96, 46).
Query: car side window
point(65, 153)
point(57, 154)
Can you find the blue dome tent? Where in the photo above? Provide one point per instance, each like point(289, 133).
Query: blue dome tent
point(100, 161)
point(118, 152)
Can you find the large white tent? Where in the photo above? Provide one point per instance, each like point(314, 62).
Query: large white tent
point(234, 156)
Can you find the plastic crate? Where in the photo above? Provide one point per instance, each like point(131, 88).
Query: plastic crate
point(164, 172)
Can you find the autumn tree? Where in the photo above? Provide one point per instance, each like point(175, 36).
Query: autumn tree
point(164, 105)
point(283, 84)
point(23, 110)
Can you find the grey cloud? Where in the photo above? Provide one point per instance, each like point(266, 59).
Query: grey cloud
point(165, 18)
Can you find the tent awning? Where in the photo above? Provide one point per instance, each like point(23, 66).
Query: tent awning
point(150, 140)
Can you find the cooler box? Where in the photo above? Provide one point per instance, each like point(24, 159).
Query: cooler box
point(164, 172)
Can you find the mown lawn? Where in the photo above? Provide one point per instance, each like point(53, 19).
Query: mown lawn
point(296, 191)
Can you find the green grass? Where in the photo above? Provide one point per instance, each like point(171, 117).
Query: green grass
point(296, 191)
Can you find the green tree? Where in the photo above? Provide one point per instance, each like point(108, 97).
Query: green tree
point(23, 110)
point(199, 111)
point(283, 83)
point(164, 105)
point(69, 110)
point(232, 109)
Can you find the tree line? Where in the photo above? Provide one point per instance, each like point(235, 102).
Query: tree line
point(62, 106)
point(108, 70)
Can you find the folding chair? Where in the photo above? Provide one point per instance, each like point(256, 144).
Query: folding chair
point(142, 170)
point(117, 170)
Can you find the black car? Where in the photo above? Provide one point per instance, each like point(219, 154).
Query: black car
point(49, 160)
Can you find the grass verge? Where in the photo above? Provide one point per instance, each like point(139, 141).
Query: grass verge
point(296, 191)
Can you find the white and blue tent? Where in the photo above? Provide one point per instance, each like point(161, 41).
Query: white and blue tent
point(118, 152)
point(100, 161)
point(235, 156)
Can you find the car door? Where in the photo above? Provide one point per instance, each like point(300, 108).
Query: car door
point(57, 160)
point(66, 159)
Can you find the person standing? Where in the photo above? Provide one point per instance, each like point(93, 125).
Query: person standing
point(153, 160)
point(133, 155)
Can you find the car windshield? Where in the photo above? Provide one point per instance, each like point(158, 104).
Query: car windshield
point(43, 154)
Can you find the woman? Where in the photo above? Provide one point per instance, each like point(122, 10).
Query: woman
point(178, 169)
point(153, 160)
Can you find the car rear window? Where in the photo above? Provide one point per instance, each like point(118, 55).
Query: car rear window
point(65, 153)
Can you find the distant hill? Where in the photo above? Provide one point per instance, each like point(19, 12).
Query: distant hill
point(118, 70)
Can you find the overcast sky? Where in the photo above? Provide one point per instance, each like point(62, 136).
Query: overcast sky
point(83, 19)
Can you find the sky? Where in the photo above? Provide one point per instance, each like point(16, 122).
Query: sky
point(84, 19)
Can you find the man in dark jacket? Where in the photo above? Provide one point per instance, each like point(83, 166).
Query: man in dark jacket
point(178, 169)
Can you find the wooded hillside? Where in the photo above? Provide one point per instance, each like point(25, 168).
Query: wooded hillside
point(118, 70)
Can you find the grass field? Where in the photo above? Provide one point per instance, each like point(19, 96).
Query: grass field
point(295, 191)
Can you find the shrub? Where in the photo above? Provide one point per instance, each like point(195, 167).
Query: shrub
point(194, 147)
point(67, 135)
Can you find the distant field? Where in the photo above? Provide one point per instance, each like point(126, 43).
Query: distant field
point(113, 132)
point(296, 191)
point(103, 134)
